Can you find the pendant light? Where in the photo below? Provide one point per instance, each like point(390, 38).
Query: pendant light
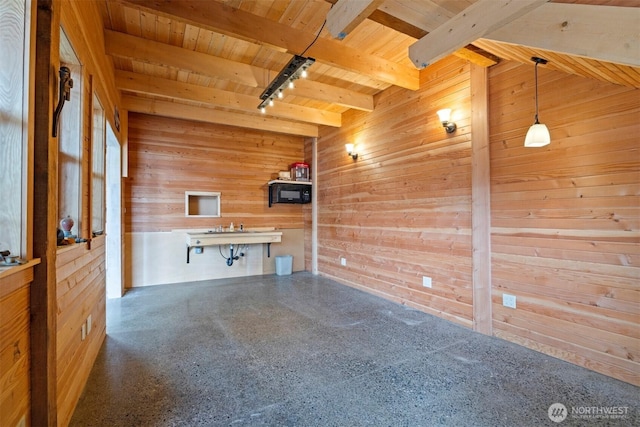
point(538, 134)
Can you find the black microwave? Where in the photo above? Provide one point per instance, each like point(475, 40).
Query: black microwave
point(289, 192)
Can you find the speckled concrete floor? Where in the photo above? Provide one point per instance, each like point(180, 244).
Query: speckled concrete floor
point(301, 350)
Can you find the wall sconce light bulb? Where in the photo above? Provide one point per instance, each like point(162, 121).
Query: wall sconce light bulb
point(304, 73)
point(291, 85)
point(445, 115)
point(351, 151)
point(271, 102)
point(280, 94)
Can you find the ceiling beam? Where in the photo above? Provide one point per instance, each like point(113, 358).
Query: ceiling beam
point(346, 15)
point(398, 17)
point(474, 22)
point(143, 50)
point(148, 85)
point(607, 33)
point(208, 115)
point(223, 19)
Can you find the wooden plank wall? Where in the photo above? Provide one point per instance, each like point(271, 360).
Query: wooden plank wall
point(80, 293)
point(402, 210)
point(169, 156)
point(566, 218)
point(15, 396)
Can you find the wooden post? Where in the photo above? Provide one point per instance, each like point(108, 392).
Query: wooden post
point(45, 219)
point(314, 206)
point(481, 208)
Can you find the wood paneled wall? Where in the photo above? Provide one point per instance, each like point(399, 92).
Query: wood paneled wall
point(566, 218)
point(15, 396)
point(80, 293)
point(402, 210)
point(169, 156)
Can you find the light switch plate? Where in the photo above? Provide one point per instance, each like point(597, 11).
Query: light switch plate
point(343, 261)
point(426, 282)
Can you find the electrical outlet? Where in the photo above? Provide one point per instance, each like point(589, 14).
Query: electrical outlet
point(83, 331)
point(426, 281)
point(198, 249)
point(88, 324)
point(509, 300)
point(343, 261)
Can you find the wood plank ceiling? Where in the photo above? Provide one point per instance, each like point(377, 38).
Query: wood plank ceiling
point(210, 60)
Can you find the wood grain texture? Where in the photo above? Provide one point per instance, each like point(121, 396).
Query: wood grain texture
point(481, 206)
point(15, 396)
point(45, 217)
point(565, 219)
point(403, 209)
point(80, 293)
point(169, 156)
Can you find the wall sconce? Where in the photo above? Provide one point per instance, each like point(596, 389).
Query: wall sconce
point(444, 116)
point(351, 151)
point(538, 134)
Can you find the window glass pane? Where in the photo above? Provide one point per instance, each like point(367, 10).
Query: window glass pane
point(70, 143)
point(97, 167)
point(14, 86)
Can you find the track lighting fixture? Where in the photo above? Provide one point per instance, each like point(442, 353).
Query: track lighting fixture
point(295, 69)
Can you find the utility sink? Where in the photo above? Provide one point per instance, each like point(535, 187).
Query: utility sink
point(248, 237)
point(212, 238)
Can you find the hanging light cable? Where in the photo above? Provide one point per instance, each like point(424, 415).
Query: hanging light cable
point(538, 134)
point(295, 69)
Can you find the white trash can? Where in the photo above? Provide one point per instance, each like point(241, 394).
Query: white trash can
point(284, 265)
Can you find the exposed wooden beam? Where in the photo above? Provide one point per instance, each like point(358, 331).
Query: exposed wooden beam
point(474, 22)
point(605, 33)
point(221, 18)
point(346, 15)
point(477, 56)
point(208, 115)
point(142, 83)
point(332, 94)
point(140, 49)
point(400, 24)
point(405, 11)
point(395, 23)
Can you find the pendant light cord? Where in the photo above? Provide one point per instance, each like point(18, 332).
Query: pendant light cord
point(314, 40)
point(536, 73)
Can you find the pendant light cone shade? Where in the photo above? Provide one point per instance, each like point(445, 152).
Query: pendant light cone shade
point(538, 134)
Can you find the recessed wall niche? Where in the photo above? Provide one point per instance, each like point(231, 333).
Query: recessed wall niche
point(202, 204)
